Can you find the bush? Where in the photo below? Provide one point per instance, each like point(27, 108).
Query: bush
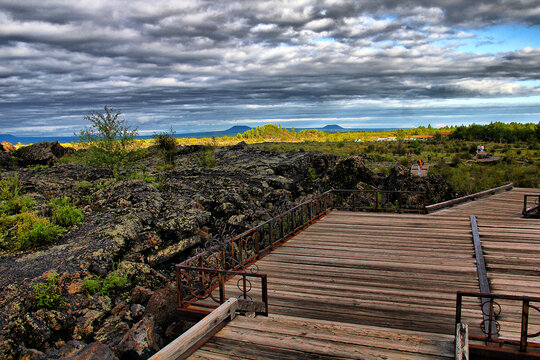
point(105, 286)
point(64, 213)
point(92, 285)
point(166, 142)
point(48, 294)
point(109, 139)
point(12, 202)
point(33, 231)
point(207, 158)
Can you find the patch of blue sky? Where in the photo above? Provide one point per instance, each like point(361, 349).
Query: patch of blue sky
point(503, 38)
point(324, 39)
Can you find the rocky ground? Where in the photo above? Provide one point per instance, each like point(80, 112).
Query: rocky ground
point(140, 222)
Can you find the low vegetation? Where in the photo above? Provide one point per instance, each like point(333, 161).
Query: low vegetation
point(22, 227)
point(104, 286)
point(48, 294)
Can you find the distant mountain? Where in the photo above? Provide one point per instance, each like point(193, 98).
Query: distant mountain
point(238, 129)
point(332, 127)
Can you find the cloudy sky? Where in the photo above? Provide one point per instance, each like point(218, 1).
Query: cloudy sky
point(201, 65)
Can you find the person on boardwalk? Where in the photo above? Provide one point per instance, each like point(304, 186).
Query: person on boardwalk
point(420, 164)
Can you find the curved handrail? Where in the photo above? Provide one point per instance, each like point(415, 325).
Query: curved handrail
point(444, 204)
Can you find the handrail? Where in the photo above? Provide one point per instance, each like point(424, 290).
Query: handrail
point(494, 313)
point(185, 344)
point(533, 211)
point(199, 275)
point(382, 201)
point(207, 285)
point(462, 199)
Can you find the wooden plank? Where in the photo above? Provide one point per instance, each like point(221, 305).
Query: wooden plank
point(462, 342)
point(183, 346)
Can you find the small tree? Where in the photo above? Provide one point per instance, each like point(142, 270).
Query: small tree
point(108, 138)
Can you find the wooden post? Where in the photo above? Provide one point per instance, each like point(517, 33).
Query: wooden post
point(462, 342)
point(185, 344)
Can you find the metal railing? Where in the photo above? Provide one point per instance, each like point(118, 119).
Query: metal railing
point(203, 283)
point(380, 200)
point(490, 325)
point(199, 276)
point(531, 205)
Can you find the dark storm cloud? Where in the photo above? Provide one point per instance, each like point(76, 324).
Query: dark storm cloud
point(181, 59)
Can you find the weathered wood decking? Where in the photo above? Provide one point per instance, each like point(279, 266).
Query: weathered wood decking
point(373, 286)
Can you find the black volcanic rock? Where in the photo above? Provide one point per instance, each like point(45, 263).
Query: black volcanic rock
point(43, 153)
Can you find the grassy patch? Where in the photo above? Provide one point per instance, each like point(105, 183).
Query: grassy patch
point(64, 213)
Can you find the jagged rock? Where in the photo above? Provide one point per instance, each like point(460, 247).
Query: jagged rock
point(137, 310)
point(94, 351)
point(239, 146)
point(349, 172)
point(86, 323)
point(173, 251)
point(71, 348)
point(5, 159)
point(142, 338)
point(6, 147)
point(236, 220)
point(162, 304)
point(189, 149)
point(33, 354)
point(42, 153)
point(140, 295)
point(112, 330)
point(36, 330)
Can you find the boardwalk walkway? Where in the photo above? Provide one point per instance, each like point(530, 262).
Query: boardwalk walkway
point(374, 286)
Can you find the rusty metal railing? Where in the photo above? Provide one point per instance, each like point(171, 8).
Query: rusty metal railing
point(531, 204)
point(491, 326)
point(380, 200)
point(199, 276)
point(203, 283)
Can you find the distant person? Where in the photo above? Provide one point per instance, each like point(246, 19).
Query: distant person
point(420, 164)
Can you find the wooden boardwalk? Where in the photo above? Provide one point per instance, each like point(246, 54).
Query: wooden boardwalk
point(374, 286)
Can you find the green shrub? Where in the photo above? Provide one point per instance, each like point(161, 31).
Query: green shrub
point(109, 139)
point(84, 185)
point(33, 231)
point(16, 205)
point(92, 285)
point(64, 213)
point(112, 282)
point(48, 294)
point(149, 179)
point(207, 158)
point(166, 143)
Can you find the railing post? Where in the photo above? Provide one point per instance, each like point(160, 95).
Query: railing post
point(221, 280)
point(376, 201)
point(459, 298)
point(400, 202)
point(179, 289)
point(272, 231)
point(244, 284)
point(264, 286)
point(524, 325)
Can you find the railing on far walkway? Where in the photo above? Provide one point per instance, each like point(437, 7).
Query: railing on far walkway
point(531, 204)
point(490, 325)
point(380, 200)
